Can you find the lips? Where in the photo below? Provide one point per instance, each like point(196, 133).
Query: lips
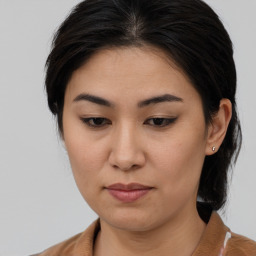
point(128, 193)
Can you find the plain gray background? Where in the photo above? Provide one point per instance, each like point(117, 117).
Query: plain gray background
point(40, 204)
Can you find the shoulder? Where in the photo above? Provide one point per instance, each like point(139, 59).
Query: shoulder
point(219, 240)
point(240, 245)
point(82, 242)
point(64, 248)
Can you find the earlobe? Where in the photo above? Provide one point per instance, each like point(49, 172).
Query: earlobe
point(218, 127)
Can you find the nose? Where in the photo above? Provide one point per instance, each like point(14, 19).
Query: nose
point(126, 149)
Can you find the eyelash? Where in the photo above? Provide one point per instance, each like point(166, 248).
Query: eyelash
point(167, 121)
point(105, 121)
point(89, 119)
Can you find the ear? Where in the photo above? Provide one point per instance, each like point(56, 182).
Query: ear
point(218, 127)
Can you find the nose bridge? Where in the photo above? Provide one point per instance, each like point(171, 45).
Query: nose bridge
point(126, 151)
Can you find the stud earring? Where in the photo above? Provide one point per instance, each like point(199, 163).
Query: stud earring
point(213, 149)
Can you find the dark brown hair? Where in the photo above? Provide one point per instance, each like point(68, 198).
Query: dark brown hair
point(189, 31)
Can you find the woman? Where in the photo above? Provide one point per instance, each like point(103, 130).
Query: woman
point(144, 94)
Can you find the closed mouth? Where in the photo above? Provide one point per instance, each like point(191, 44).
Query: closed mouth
point(128, 193)
point(128, 187)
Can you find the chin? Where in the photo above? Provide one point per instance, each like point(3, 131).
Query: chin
point(133, 221)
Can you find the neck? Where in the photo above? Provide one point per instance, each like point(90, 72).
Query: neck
point(179, 236)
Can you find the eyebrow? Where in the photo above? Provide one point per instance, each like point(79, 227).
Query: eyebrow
point(160, 99)
point(93, 99)
point(101, 101)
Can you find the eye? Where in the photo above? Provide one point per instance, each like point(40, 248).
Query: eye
point(160, 121)
point(96, 122)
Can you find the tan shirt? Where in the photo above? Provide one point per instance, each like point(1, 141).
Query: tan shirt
point(217, 240)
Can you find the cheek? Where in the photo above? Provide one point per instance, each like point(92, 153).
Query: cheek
point(84, 152)
point(86, 163)
point(86, 158)
point(180, 160)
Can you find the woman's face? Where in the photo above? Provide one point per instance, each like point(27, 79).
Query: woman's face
point(136, 137)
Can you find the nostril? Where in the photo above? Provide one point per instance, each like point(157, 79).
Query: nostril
point(132, 167)
point(126, 168)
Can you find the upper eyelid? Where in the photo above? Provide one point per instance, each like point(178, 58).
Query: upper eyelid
point(94, 117)
point(106, 122)
point(164, 118)
point(86, 122)
point(161, 117)
point(149, 118)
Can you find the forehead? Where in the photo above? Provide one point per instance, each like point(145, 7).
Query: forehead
point(133, 71)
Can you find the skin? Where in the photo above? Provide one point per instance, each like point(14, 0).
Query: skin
point(129, 146)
